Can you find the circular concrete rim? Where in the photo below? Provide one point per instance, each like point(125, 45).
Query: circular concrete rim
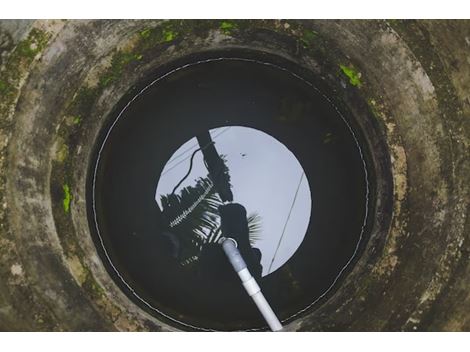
point(408, 98)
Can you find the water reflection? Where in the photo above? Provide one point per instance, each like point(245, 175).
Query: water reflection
point(155, 224)
point(263, 176)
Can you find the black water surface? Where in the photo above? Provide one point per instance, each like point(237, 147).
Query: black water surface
point(128, 222)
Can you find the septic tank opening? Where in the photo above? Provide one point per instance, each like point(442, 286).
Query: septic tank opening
point(293, 160)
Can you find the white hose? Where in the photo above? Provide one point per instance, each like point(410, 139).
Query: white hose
point(251, 286)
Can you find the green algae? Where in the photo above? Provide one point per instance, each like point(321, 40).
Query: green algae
point(308, 37)
point(17, 65)
point(166, 32)
point(353, 75)
point(145, 33)
point(227, 27)
point(3, 86)
point(91, 285)
point(169, 35)
point(33, 44)
point(118, 62)
point(67, 198)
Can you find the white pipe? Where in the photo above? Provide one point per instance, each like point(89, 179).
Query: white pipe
point(251, 286)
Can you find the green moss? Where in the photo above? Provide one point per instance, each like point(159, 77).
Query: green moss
point(227, 27)
point(25, 48)
point(119, 61)
point(148, 38)
point(91, 285)
point(164, 33)
point(4, 86)
point(394, 22)
point(169, 31)
point(308, 37)
point(33, 44)
point(17, 64)
point(83, 102)
point(169, 35)
point(145, 33)
point(67, 198)
point(353, 75)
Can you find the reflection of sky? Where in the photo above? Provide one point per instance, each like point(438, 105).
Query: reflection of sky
point(264, 176)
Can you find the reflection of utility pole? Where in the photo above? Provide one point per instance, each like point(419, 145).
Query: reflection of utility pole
point(216, 167)
point(234, 227)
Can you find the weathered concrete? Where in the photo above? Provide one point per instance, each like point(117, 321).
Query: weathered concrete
point(408, 88)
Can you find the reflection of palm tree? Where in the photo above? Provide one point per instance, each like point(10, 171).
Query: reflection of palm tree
point(254, 228)
point(194, 219)
point(192, 215)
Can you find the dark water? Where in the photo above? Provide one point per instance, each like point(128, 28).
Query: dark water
point(131, 231)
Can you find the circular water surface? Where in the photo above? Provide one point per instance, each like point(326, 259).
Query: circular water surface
point(281, 154)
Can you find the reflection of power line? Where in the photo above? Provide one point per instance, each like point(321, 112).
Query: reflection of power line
point(182, 153)
point(189, 171)
point(190, 149)
point(287, 220)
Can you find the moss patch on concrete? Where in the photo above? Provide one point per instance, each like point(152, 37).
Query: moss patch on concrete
point(17, 65)
point(77, 120)
point(308, 37)
point(119, 61)
point(67, 198)
point(33, 44)
point(353, 75)
point(227, 27)
point(122, 60)
point(164, 33)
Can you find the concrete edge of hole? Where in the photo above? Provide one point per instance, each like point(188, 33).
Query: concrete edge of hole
point(412, 277)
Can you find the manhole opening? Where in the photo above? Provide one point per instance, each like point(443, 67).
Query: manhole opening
point(292, 159)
